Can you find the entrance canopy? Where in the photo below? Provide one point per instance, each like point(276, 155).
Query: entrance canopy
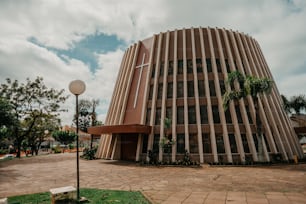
point(116, 129)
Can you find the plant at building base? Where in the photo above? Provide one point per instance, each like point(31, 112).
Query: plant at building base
point(248, 86)
point(187, 161)
point(152, 157)
point(167, 142)
point(30, 102)
point(89, 154)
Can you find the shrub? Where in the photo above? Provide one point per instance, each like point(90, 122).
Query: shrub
point(152, 157)
point(277, 158)
point(4, 151)
point(89, 154)
point(70, 146)
point(57, 149)
point(187, 161)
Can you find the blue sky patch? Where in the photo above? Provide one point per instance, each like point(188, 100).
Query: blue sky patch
point(85, 49)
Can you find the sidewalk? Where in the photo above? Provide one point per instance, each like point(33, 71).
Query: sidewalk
point(273, 184)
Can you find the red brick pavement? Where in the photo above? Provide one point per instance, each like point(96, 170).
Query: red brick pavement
point(271, 184)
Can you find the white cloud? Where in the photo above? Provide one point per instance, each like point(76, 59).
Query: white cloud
point(30, 61)
point(99, 85)
point(109, 64)
point(284, 46)
point(292, 85)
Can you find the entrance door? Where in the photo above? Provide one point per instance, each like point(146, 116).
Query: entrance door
point(129, 146)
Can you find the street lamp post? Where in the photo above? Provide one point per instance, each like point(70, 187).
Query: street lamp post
point(77, 87)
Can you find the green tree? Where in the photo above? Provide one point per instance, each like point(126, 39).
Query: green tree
point(253, 86)
point(37, 135)
point(88, 115)
point(6, 113)
point(64, 137)
point(296, 104)
point(7, 121)
point(30, 101)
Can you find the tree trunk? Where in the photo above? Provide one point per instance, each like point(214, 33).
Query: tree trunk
point(91, 141)
point(18, 141)
point(38, 145)
point(259, 131)
point(18, 149)
point(36, 150)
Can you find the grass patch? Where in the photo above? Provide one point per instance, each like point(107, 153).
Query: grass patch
point(36, 198)
point(95, 196)
point(6, 159)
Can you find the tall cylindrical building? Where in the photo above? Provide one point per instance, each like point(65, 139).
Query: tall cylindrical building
point(181, 75)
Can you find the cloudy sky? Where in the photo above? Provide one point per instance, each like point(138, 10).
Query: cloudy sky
point(63, 40)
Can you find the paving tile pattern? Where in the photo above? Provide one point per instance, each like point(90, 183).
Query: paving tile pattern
point(205, 185)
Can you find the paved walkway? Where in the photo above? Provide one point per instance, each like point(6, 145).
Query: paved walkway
point(234, 185)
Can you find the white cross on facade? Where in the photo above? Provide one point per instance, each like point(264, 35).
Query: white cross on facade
point(141, 66)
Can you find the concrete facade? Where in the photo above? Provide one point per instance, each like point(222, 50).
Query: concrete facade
point(181, 75)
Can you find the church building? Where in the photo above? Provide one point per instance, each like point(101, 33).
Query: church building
point(180, 75)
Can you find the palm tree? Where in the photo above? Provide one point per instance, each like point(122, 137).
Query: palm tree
point(253, 86)
point(286, 104)
point(298, 103)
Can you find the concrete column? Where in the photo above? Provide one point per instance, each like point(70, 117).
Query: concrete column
point(186, 122)
point(114, 149)
point(138, 150)
point(153, 107)
point(197, 103)
point(147, 90)
point(99, 151)
point(207, 91)
point(220, 101)
point(164, 96)
point(174, 113)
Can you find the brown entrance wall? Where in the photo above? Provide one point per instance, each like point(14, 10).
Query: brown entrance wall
point(128, 146)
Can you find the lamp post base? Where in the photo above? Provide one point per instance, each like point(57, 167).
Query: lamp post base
point(83, 199)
